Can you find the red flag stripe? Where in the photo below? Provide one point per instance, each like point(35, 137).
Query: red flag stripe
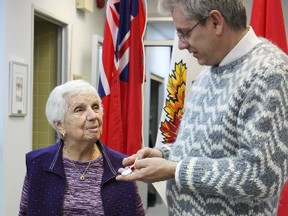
point(123, 48)
point(267, 21)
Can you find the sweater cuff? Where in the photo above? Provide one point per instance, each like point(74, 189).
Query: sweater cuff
point(165, 150)
point(177, 180)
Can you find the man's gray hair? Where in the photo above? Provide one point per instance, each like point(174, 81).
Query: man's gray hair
point(234, 11)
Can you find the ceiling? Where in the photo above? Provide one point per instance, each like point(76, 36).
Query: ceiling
point(152, 9)
point(160, 22)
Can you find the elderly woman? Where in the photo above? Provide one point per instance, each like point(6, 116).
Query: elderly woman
point(76, 176)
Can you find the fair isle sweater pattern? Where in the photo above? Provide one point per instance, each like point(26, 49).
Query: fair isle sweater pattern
point(233, 138)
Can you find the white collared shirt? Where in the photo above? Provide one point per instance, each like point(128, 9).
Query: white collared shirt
point(247, 43)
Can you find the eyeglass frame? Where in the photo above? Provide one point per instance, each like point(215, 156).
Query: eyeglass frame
point(184, 36)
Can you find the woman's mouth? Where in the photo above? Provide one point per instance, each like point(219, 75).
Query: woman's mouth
point(93, 128)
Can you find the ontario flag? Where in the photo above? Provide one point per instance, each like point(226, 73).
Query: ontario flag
point(267, 21)
point(120, 81)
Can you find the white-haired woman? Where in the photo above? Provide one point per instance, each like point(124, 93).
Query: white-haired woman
point(76, 176)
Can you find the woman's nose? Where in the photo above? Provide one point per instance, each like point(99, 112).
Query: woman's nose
point(91, 115)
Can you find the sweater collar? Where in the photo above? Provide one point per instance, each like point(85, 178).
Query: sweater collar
point(245, 45)
point(53, 161)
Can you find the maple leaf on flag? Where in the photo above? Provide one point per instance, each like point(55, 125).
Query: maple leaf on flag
point(174, 105)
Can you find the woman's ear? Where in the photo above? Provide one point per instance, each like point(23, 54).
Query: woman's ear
point(58, 125)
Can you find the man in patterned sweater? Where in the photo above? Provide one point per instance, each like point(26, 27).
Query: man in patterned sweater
point(230, 155)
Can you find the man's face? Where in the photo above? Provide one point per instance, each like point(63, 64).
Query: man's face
point(202, 41)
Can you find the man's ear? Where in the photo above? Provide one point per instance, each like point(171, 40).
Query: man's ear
point(217, 20)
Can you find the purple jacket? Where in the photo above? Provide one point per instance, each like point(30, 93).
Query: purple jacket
point(47, 183)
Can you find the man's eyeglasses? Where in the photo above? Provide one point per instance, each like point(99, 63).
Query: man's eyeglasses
point(184, 36)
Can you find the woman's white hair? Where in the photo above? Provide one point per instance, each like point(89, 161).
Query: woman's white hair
point(56, 105)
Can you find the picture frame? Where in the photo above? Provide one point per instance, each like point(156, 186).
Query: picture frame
point(18, 89)
point(97, 66)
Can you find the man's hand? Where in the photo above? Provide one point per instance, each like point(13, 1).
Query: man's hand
point(148, 169)
point(141, 154)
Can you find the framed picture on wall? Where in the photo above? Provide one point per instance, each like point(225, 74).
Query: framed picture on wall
point(18, 89)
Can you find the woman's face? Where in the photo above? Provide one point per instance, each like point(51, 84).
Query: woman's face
point(83, 118)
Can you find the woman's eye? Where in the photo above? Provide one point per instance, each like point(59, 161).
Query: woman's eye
point(96, 107)
point(78, 109)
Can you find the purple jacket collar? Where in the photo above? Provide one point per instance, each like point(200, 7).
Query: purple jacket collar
point(54, 163)
point(47, 183)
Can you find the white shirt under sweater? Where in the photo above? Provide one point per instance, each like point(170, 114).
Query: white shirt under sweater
point(233, 140)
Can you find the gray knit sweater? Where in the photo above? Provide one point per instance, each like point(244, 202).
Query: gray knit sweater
point(233, 139)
